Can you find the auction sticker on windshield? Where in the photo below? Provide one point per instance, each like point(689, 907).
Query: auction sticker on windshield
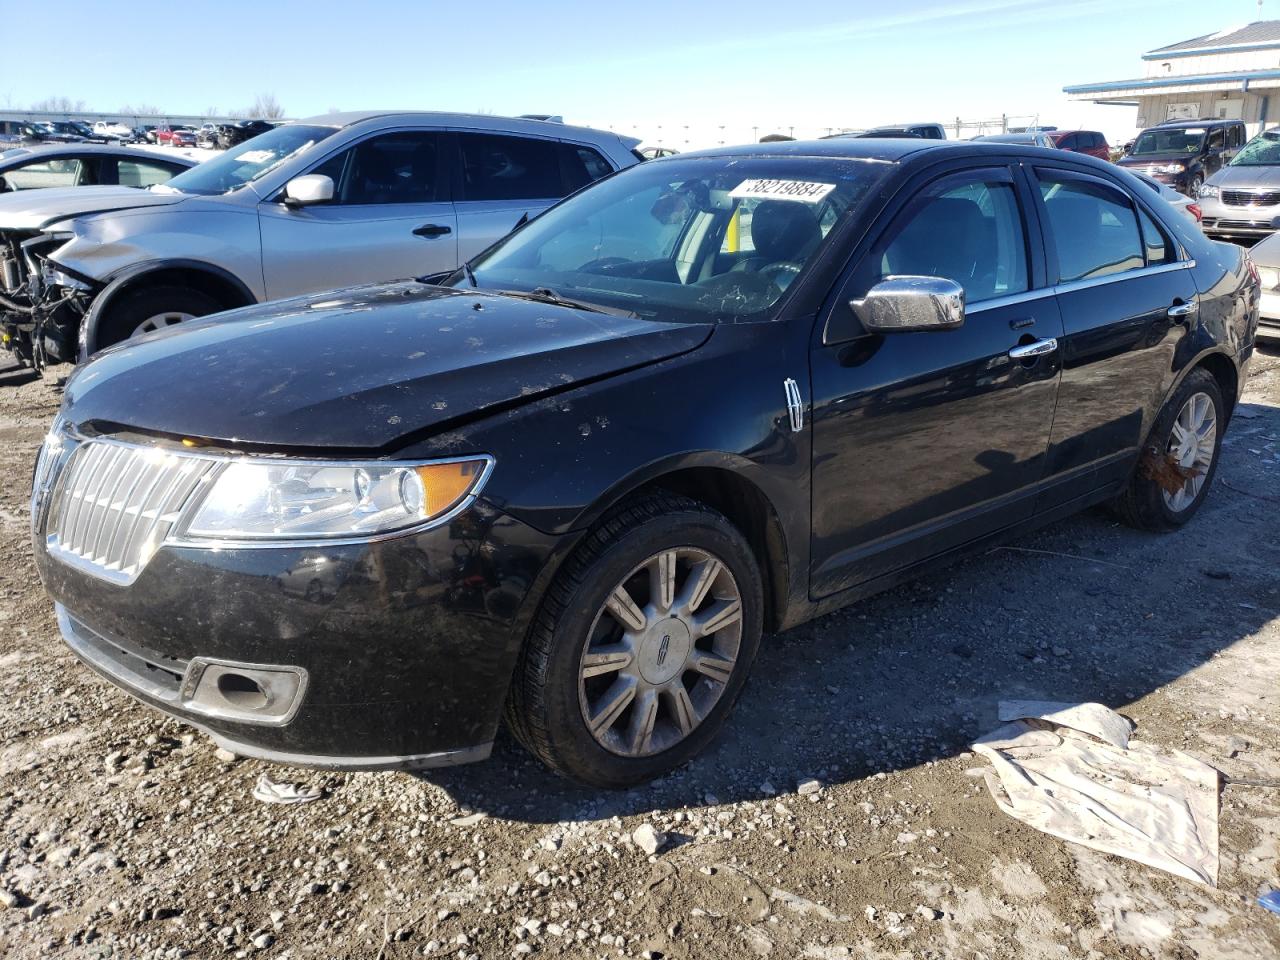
point(801, 190)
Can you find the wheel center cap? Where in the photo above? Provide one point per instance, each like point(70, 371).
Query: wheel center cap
point(664, 650)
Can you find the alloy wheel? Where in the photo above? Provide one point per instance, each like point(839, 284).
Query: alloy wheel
point(159, 321)
point(1192, 443)
point(660, 652)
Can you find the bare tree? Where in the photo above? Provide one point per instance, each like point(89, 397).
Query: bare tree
point(141, 109)
point(59, 105)
point(267, 107)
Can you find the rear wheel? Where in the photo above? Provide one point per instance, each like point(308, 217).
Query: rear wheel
point(642, 645)
point(151, 309)
point(1180, 458)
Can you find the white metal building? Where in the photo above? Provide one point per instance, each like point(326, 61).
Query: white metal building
point(1233, 74)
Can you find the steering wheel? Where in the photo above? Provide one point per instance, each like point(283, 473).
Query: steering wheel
point(776, 272)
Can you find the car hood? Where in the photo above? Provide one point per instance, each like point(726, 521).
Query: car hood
point(1245, 177)
point(363, 369)
point(1155, 159)
point(34, 209)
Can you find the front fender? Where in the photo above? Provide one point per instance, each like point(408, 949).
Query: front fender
point(130, 277)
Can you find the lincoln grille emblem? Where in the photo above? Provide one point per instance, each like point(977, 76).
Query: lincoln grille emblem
point(662, 650)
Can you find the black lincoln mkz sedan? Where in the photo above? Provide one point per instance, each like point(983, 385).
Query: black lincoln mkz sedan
point(571, 485)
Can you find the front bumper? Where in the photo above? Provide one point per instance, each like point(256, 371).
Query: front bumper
point(404, 648)
point(1229, 221)
point(1269, 315)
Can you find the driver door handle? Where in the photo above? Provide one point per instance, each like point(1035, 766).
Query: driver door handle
point(1181, 311)
point(1037, 348)
point(430, 230)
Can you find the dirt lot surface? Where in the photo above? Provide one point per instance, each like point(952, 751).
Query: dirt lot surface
point(123, 834)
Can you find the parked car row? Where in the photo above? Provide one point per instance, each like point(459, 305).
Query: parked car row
point(221, 135)
point(573, 477)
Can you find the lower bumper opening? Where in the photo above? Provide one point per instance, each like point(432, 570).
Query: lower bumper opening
point(229, 700)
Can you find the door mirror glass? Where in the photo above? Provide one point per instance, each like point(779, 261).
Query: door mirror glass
point(305, 190)
point(903, 304)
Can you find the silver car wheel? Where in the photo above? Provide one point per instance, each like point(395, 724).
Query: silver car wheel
point(660, 652)
point(169, 318)
point(1192, 445)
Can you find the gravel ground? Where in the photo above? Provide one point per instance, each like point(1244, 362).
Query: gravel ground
point(124, 834)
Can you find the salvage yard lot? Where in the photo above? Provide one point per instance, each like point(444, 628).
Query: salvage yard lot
point(123, 834)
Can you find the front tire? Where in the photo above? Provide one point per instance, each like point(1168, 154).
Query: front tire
point(153, 308)
point(1180, 457)
point(641, 646)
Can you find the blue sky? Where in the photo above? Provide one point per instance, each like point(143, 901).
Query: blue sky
point(635, 67)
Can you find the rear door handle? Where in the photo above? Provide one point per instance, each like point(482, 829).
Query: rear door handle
point(1037, 348)
point(432, 230)
point(1181, 311)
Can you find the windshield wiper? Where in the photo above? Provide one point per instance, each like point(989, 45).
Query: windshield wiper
point(547, 295)
point(471, 277)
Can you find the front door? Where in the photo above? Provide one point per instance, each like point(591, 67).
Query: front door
point(923, 441)
point(1126, 301)
point(391, 217)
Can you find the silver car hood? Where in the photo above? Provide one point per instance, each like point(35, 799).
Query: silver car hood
point(1242, 178)
point(35, 209)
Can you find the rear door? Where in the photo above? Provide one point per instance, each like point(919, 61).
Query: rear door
point(925, 440)
point(1127, 299)
point(391, 217)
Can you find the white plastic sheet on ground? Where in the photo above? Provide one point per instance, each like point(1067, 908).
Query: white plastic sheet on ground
point(1071, 771)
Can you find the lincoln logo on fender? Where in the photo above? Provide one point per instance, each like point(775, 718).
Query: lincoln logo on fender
point(662, 650)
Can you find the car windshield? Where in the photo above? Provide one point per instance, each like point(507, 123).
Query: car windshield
point(249, 161)
point(1262, 151)
point(1179, 140)
point(698, 239)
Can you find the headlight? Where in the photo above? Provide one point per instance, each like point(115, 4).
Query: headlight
point(1173, 168)
point(1270, 277)
point(1208, 191)
point(293, 500)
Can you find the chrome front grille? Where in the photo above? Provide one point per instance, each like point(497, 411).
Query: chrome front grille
point(115, 503)
point(1251, 198)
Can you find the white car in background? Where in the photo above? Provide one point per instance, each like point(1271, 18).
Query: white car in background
point(119, 131)
point(1175, 199)
point(1266, 257)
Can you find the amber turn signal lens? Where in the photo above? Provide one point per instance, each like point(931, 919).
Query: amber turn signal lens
point(445, 484)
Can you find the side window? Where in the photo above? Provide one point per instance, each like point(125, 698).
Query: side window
point(392, 168)
point(509, 168)
point(139, 173)
point(1216, 138)
point(968, 230)
point(1159, 249)
point(582, 165)
point(44, 173)
point(1094, 227)
point(1070, 142)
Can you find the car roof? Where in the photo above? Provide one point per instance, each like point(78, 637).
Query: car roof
point(445, 119)
point(1212, 122)
point(94, 149)
point(890, 150)
point(853, 148)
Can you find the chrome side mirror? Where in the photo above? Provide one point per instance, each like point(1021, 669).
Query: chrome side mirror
point(902, 304)
point(306, 190)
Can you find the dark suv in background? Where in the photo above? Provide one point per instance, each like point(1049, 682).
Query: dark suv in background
point(1185, 153)
point(1089, 142)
